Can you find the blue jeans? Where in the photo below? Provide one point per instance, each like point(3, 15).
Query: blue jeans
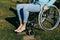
point(26, 9)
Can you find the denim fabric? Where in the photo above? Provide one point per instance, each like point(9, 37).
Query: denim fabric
point(32, 8)
point(26, 9)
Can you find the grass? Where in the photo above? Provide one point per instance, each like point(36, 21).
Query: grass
point(7, 28)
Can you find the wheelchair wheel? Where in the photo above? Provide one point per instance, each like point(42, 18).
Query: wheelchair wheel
point(49, 19)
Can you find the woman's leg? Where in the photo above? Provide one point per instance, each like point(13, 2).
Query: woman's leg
point(18, 8)
point(26, 9)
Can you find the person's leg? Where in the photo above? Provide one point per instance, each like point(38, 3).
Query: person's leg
point(26, 9)
point(18, 8)
point(25, 19)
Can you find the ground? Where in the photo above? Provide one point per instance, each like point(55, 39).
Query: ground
point(9, 22)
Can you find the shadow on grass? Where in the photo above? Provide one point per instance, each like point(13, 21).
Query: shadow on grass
point(14, 20)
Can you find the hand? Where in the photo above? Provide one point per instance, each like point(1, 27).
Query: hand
point(45, 8)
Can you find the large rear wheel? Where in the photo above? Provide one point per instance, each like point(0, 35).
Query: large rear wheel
point(49, 19)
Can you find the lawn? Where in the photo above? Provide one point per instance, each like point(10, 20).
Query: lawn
point(9, 22)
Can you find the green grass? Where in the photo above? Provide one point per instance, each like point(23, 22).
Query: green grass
point(7, 29)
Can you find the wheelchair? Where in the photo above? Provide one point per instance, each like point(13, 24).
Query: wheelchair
point(47, 20)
